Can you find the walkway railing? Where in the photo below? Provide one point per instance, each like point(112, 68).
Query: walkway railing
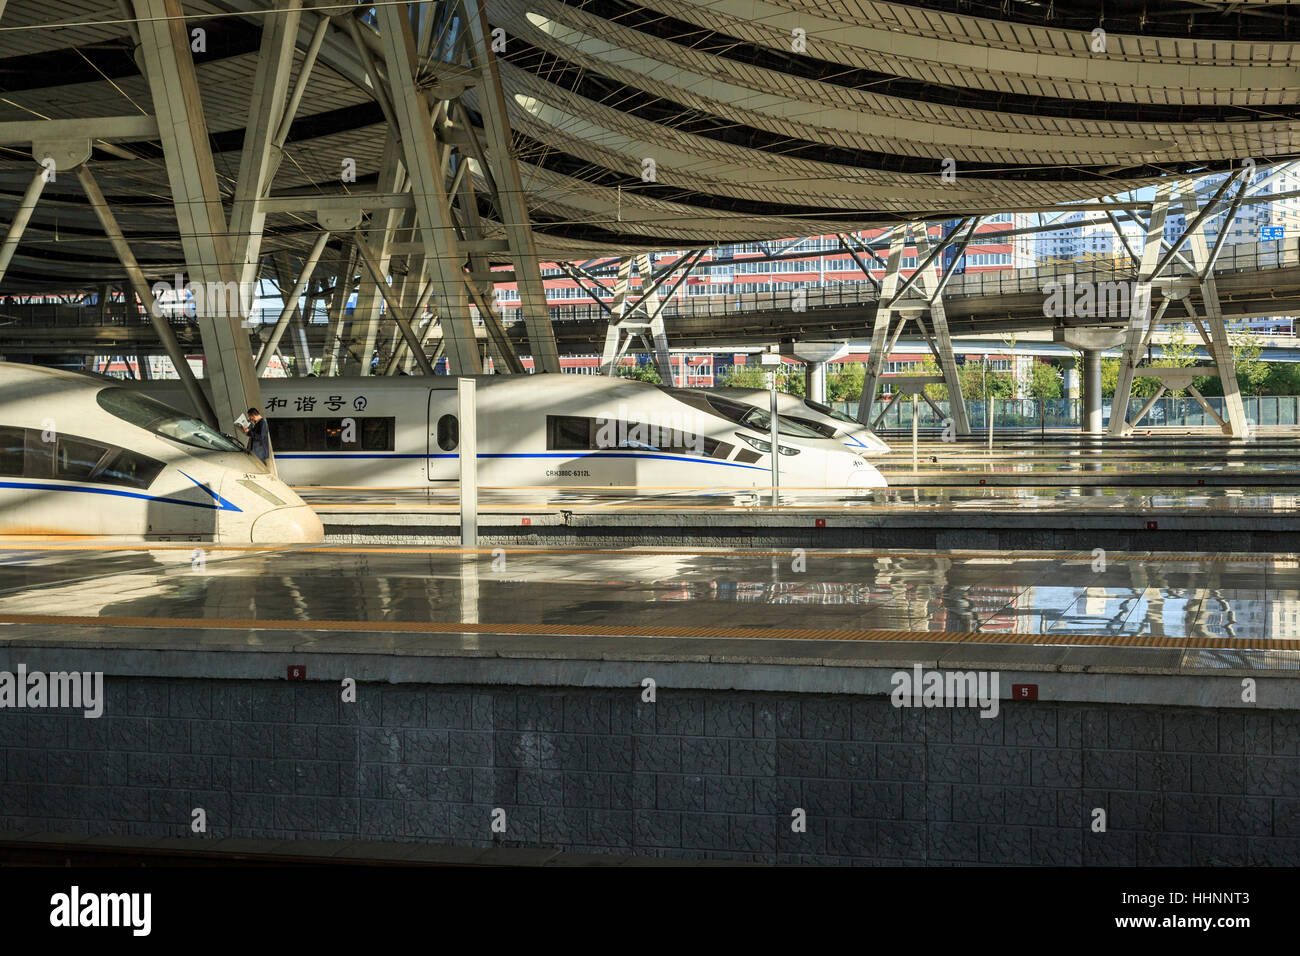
point(1243, 257)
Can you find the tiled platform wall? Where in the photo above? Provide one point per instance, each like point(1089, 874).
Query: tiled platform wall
point(698, 773)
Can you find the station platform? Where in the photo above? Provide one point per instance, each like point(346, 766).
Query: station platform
point(1174, 493)
point(674, 704)
point(1066, 612)
point(1019, 517)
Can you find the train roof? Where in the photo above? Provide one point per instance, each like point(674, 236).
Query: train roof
point(40, 374)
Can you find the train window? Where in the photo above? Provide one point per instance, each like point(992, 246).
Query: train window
point(573, 433)
point(12, 451)
point(128, 468)
point(76, 459)
point(355, 433)
point(24, 451)
point(377, 434)
point(288, 434)
point(568, 433)
point(448, 432)
point(40, 455)
point(826, 431)
point(153, 415)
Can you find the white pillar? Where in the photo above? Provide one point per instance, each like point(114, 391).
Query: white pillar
point(467, 414)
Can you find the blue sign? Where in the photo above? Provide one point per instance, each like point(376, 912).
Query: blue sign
point(1270, 232)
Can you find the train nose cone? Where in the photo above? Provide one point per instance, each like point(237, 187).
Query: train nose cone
point(867, 477)
point(296, 525)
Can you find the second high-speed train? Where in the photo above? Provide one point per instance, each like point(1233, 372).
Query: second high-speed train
point(82, 456)
point(822, 418)
point(540, 430)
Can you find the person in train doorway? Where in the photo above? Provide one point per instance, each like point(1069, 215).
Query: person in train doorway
point(259, 435)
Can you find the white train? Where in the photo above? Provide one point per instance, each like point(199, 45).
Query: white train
point(82, 456)
point(539, 430)
point(830, 423)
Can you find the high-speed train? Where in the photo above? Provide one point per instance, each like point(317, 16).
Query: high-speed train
point(539, 430)
point(83, 456)
point(824, 419)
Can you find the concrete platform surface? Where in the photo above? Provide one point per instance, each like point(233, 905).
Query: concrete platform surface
point(1070, 612)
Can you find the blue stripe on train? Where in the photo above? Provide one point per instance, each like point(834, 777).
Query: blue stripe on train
point(571, 457)
point(43, 486)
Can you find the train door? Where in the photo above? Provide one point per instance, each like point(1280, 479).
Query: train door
point(443, 457)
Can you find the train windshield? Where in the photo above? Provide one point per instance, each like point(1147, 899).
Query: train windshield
point(161, 419)
point(830, 412)
point(751, 416)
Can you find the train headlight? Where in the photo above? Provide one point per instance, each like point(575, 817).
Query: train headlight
point(766, 447)
point(261, 492)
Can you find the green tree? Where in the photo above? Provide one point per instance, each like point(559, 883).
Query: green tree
point(1109, 376)
point(789, 378)
point(846, 384)
point(746, 376)
point(642, 373)
point(979, 382)
point(1044, 381)
point(1283, 379)
point(1252, 371)
point(1254, 376)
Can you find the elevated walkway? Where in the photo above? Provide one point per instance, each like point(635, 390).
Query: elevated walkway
point(1253, 279)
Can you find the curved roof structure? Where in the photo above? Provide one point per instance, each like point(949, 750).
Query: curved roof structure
point(677, 123)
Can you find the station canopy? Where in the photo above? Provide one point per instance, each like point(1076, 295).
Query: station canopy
point(670, 124)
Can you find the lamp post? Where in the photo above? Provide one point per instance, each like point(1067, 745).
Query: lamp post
point(772, 360)
point(988, 404)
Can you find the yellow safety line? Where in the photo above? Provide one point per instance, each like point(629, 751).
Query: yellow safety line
point(588, 630)
point(967, 556)
point(1007, 507)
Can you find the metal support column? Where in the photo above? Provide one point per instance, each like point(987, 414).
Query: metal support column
point(380, 236)
point(655, 321)
point(183, 128)
point(516, 219)
point(21, 217)
point(880, 341)
point(258, 157)
point(291, 303)
point(815, 381)
point(1091, 418)
point(433, 213)
point(644, 318)
point(343, 284)
point(612, 354)
point(1139, 311)
point(147, 299)
point(298, 330)
point(1217, 344)
point(941, 344)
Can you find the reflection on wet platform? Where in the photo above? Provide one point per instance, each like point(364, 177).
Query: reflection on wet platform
point(1133, 600)
point(327, 501)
